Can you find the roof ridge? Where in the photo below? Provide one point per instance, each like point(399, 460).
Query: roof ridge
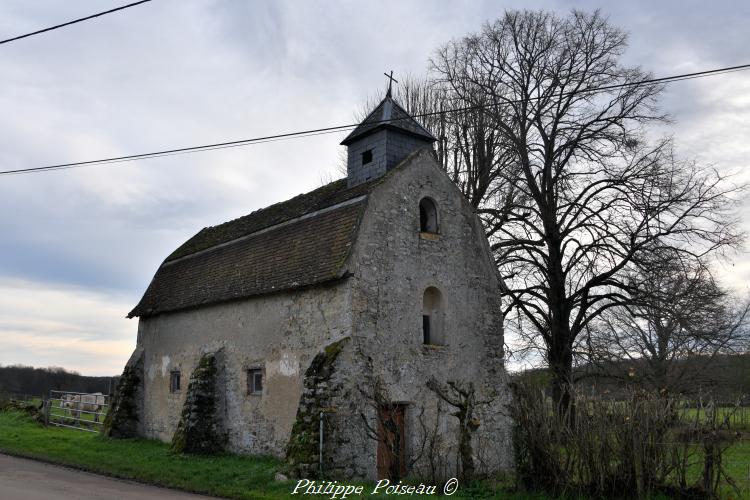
point(267, 207)
point(324, 196)
point(272, 227)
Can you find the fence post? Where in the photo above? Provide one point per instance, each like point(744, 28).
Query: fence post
point(47, 404)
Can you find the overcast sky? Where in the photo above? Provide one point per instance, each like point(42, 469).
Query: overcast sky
point(78, 247)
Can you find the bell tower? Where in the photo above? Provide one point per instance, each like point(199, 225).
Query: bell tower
point(382, 140)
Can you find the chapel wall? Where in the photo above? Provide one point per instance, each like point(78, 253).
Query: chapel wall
point(279, 334)
point(393, 265)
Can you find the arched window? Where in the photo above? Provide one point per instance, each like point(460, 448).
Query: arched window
point(432, 317)
point(428, 216)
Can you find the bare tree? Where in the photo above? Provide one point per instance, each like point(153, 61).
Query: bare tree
point(436, 452)
point(591, 195)
point(677, 321)
point(468, 146)
point(462, 398)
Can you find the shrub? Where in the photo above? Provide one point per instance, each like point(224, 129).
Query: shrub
point(632, 448)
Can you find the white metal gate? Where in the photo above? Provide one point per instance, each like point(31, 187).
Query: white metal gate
point(77, 410)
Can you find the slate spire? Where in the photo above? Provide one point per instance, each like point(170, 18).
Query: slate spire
point(385, 137)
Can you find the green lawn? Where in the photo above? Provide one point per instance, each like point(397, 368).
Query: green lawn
point(738, 418)
point(144, 460)
point(737, 463)
point(229, 476)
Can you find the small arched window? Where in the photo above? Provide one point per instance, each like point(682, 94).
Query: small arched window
point(432, 317)
point(428, 216)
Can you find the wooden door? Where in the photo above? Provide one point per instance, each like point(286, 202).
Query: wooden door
point(391, 456)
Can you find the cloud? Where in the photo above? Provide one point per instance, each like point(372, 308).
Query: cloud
point(78, 247)
point(78, 329)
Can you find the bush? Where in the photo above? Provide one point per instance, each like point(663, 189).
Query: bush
point(36, 412)
point(617, 449)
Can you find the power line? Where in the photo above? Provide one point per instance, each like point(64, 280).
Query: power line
point(191, 149)
point(340, 128)
point(73, 22)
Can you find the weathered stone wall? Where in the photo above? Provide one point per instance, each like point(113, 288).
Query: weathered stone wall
point(380, 309)
point(125, 416)
point(392, 266)
point(279, 334)
point(322, 385)
point(201, 428)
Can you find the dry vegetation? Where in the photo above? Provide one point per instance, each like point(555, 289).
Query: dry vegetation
point(648, 444)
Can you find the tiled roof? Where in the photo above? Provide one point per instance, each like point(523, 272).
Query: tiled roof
point(300, 242)
point(326, 196)
point(388, 114)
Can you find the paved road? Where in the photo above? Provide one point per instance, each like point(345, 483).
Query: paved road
point(22, 479)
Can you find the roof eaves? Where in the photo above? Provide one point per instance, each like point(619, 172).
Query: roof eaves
point(326, 281)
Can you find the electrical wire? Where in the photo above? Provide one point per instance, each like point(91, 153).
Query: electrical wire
point(341, 128)
point(8, 40)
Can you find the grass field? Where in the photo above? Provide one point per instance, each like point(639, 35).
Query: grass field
point(737, 463)
point(151, 461)
point(229, 476)
point(143, 460)
point(738, 418)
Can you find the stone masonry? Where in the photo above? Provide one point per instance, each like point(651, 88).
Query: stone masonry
point(339, 339)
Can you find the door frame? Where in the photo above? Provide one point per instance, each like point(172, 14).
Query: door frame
point(384, 459)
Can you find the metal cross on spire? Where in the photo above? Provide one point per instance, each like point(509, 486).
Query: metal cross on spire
point(390, 82)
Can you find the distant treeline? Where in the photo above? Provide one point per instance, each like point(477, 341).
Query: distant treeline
point(725, 377)
point(20, 380)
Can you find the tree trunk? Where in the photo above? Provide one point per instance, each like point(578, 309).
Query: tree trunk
point(561, 368)
point(466, 453)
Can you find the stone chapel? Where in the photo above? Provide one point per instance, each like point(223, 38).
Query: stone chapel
point(339, 330)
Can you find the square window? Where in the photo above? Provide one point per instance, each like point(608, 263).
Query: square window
point(174, 381)
point(367, 157)
point(255, 381)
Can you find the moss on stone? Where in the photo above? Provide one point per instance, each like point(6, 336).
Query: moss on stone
point(302, 452)
point(322, 365)
point(36, 412)
point(198, 430)
point(122, 418)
